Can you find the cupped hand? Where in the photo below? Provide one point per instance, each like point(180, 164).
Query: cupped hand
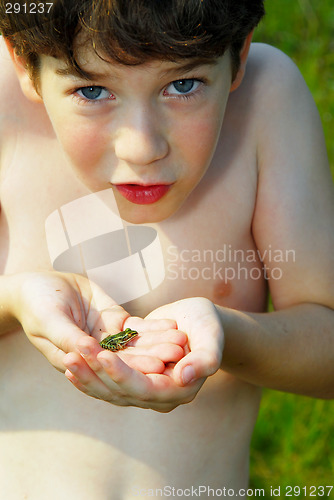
point(199, 318)
point(152, 372)
point(56, 310)
point(140, 375)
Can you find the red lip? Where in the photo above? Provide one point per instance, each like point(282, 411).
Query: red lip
point(143, 195)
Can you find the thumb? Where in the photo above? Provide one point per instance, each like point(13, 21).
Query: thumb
point(196, 365)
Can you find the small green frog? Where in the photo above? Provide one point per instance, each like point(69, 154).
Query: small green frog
point(119, 340)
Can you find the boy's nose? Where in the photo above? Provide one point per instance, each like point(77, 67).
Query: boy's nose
point(139, 139)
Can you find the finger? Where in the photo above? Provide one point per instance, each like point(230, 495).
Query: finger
point(128, 380)
point(78, 375)
point(89, 348)
point(165, 352)
point(166, 391)
point(73, 379)
point(171, 336)
point(111, 320)
point(159, 407)
point(74, 362)
point(128, 387)
point(142, 363)
point(196, 365)
point(87, 381)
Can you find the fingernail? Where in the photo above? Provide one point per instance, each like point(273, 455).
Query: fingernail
point(72, 378)
point(85, 351)
point(72, 368)
point(188, 374)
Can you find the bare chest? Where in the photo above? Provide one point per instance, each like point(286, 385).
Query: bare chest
point(49, 219)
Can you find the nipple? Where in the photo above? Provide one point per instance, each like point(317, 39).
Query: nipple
point(222, 289)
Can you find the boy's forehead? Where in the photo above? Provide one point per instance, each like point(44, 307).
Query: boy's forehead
point(98, 66)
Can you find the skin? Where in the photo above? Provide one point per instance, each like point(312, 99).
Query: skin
point(253, 182)
point(143, 123)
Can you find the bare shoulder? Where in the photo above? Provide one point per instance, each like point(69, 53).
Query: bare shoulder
point(284, 112)
point(11, 96)
point(271, 91)
point(273, 79)
point(18, 115)
point(269, 61)
point(12, 102)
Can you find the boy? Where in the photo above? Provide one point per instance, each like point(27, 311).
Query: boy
point(152, 100)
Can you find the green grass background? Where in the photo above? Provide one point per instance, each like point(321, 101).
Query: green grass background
point(293, 441)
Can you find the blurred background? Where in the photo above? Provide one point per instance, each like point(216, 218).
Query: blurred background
point(293, 442)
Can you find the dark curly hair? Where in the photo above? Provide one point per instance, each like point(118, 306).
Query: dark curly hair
point(130, 31)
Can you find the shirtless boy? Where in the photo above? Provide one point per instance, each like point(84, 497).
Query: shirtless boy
point(153, 100)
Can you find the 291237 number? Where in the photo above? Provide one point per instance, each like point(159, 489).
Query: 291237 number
point(28, 8)
point(311, 491)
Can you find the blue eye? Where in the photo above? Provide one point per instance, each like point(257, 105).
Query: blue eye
point(93, 93)
point(182, 87)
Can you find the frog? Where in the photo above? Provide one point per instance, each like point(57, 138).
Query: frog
point(119, 340)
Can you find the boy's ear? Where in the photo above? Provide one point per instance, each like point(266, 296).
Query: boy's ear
point(243, 60)
point(25, 80)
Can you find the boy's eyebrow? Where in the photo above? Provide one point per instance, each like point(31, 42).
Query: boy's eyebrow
point(189, 66)
point(95, 75)
point(70, 71)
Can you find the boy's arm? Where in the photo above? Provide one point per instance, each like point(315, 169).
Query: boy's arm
point(289, 350)
point(292, 348)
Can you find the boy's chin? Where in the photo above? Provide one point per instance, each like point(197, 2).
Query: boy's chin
point(147, 214)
